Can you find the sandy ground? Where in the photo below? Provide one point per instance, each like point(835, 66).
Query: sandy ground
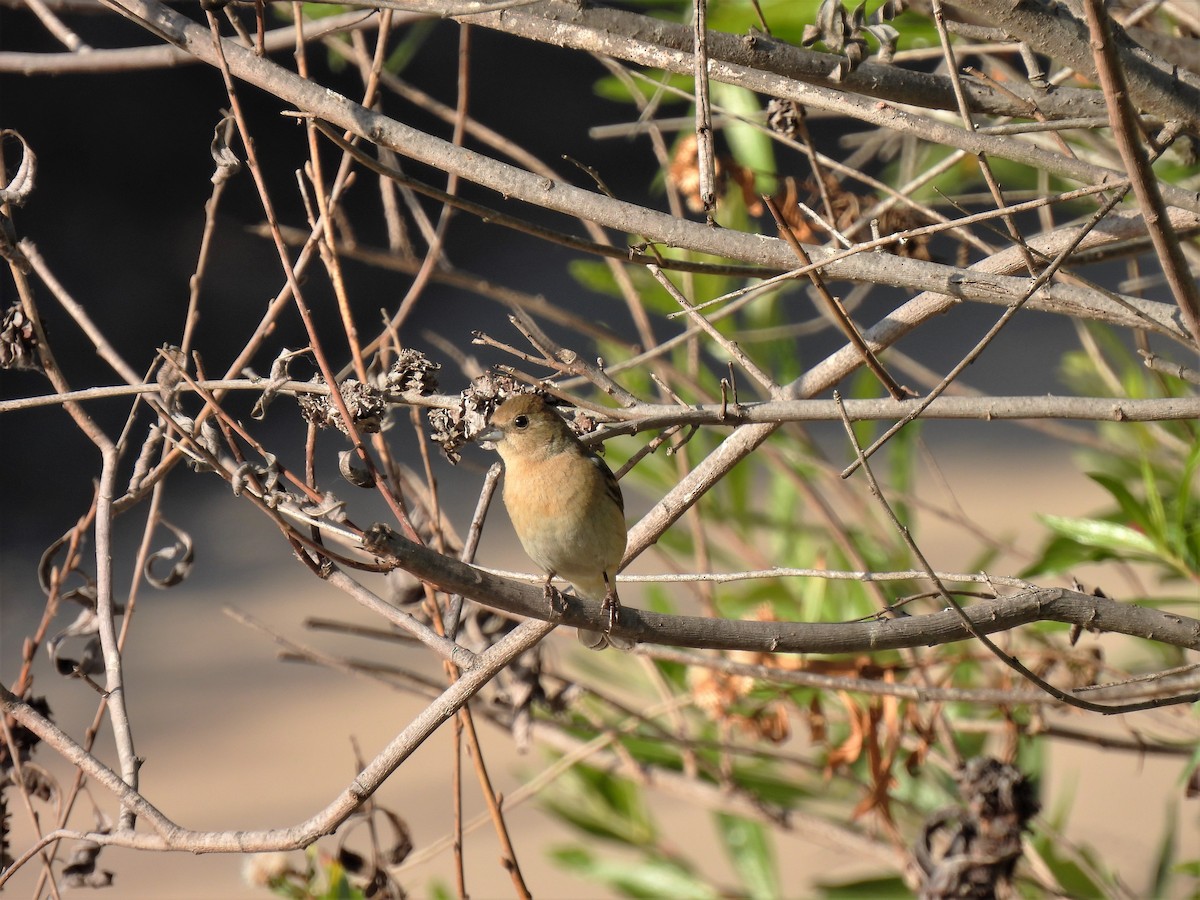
point(233, 738)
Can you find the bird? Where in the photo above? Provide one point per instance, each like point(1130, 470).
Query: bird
point(564, 503)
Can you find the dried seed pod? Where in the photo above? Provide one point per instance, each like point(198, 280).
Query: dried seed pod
point(412, 371)
point(364, 403)
point(18, 341)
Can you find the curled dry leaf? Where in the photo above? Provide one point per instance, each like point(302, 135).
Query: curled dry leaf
point(208, 440)
point(80, 870)
point(372, 876)
point(6, 857)
point(146, 457)
point(23, 740)
point(402, 842)
point(743, 178)
point(355, 474)
point(267, 476)
point(279, 377)
point(182, 551)
point(329, 507)
point(171, 369)
point(227, 161)
point(715, 692)
point(18, 188)
point(684, 175)
point(86, 625)
point(787, 199)
point(973, 851)
point(519, 685)
point(846, 33)
point(784, 116)
point(18, 341)
point(899, 219)
point(38, 783)
point(46, 564)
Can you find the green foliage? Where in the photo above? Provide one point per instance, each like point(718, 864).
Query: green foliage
point(1077, 874)
point(603, 806)
point(751, 147)
point(650, 877)
point(866, 889)
point(748, 845)
point(1148, 473)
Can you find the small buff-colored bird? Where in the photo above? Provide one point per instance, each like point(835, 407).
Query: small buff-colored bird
point(564, 503)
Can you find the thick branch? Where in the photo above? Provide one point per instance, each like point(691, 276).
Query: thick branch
point(1039, 604)
point(513, 182)
point(552, 21)
point(1051, 28)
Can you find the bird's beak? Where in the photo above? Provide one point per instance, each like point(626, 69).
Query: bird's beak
point(491, 434)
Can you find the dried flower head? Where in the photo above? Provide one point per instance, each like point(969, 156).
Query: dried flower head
point(412, 372)
point(364, 403)
point(455, 428)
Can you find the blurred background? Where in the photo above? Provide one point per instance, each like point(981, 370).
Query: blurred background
point(232, 737)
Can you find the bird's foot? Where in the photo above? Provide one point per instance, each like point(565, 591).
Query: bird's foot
point(610, 608)
point(556, 601)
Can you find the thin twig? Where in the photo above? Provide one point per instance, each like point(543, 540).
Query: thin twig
point(169, 836)
point(834, 306)
point(764, 380)
point(705, 159)
point(1145, 186)
point(1012, 662)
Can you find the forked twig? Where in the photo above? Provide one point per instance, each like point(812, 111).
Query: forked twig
point(1012, 662)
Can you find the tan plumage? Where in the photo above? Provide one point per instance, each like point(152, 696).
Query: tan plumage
point(563, 500)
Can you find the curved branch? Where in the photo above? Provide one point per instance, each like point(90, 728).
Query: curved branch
point(584, 27)
point(169, 836)
point(556, 22)
point(643, 626)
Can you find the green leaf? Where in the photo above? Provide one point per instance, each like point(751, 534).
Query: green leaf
point(602, 805)
point(409, 46)
point(867, 889)
point(1061, 555)
point(752, 147)
point(749, 848)
point(653, 877)
point(1071, 877)
point(1133, 508)
point(594, 275)
point(1102, 535)
point(1167, 850)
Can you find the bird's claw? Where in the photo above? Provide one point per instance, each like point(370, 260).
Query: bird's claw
point(556, 601)
point(610, 608)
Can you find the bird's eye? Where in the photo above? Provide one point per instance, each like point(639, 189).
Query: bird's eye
point(521, 422)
